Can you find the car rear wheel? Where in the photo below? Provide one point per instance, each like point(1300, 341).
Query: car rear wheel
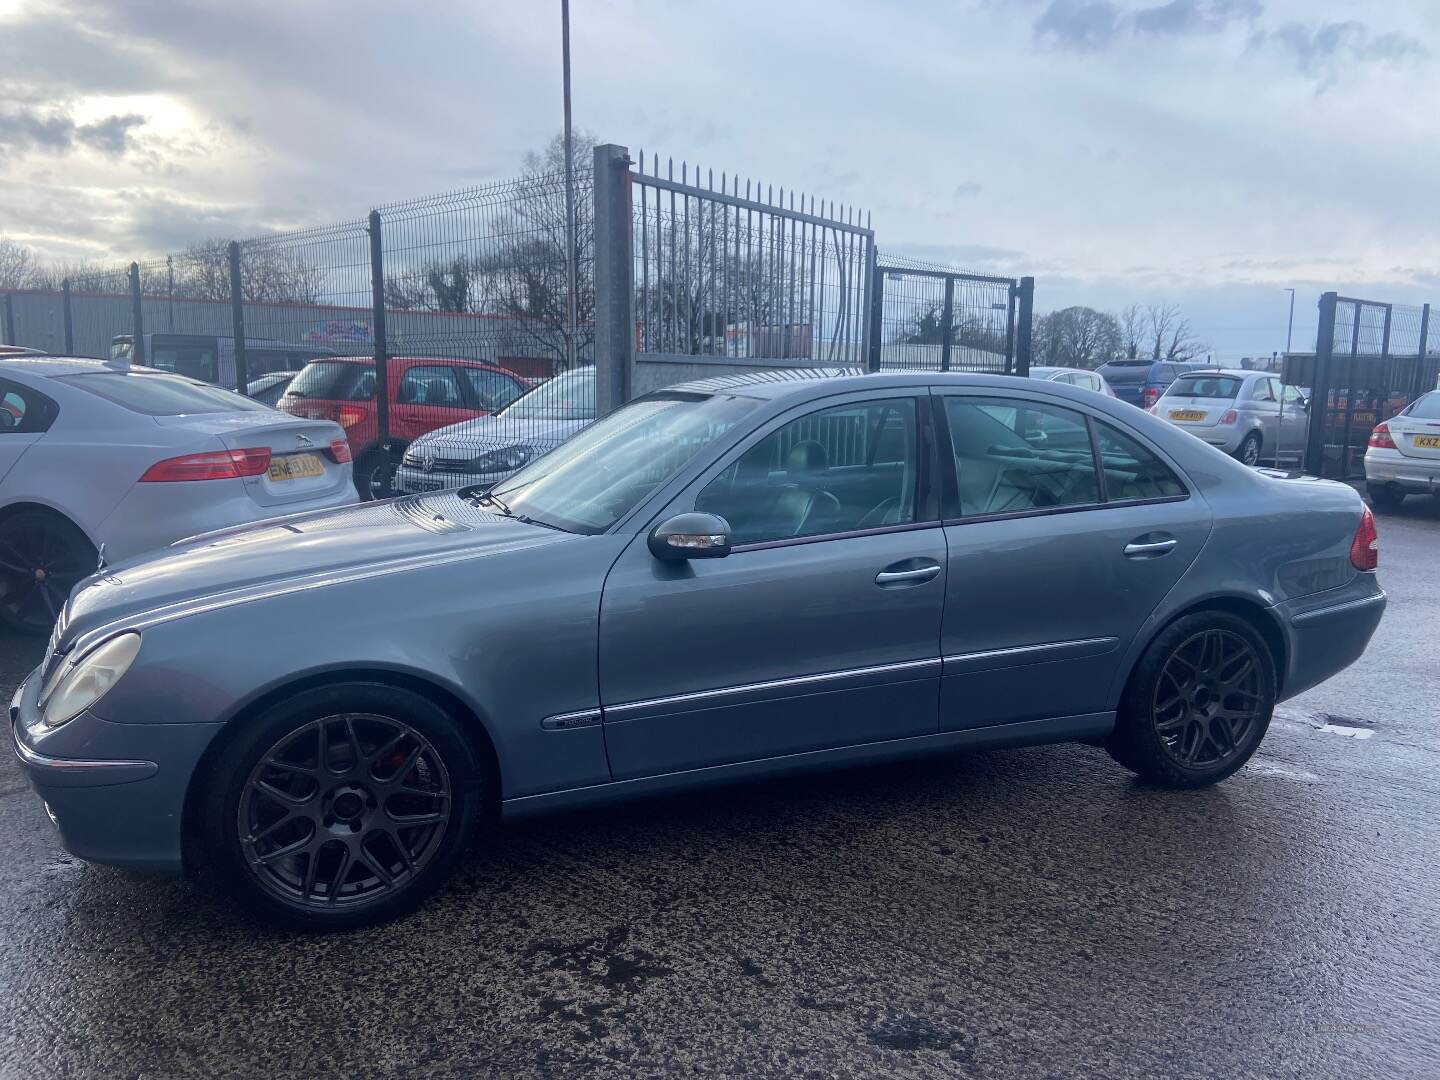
point(342, 806)
point(1383, 497)
point(374, 475)
point(42, 557)
point(1198, 703)
point(1249, 450)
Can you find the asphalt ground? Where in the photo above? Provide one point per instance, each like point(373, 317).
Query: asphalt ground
point(1023, 913)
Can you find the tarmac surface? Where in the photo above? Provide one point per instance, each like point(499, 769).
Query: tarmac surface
point(1023, 913)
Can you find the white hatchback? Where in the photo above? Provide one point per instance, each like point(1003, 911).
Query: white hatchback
point(97, 455)
point(1403, 457)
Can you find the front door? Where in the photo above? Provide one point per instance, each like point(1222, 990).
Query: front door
point(1053, 565)
point(429, 396)
point(1294, 422)
point(820, 629)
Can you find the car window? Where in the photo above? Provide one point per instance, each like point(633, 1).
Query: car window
point(1426, 407)
point(493, 389)
point(842, 469)
point(192, 361)
point(22, 410)
point(1092, 382)
point(1263, 390)
point(1014, 455)
point(1131, 471)
point(1293, 396)
point(334, 380)
point(1205, 386)
point(154, 394)
point(431, 384)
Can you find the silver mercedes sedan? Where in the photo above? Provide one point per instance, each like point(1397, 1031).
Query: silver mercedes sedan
point(736, 578)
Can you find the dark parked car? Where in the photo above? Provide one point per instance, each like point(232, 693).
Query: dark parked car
point(1141, 382)
point(729, 579)
point(425, 393)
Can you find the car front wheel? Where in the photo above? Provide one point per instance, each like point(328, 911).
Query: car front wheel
point(1198, 703)
point(342, 806)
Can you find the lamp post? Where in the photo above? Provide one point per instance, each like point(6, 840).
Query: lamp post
point(570, 268)
point(1290, 327)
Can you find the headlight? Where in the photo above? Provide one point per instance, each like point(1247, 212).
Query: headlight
point(89, 680)
point(506, 460)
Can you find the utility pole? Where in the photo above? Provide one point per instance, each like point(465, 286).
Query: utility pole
point(1290, 327)
point(570, 269)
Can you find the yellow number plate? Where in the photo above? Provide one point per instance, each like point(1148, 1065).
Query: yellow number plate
point(1427, 442)
point(295, 467)
point(1186, 414)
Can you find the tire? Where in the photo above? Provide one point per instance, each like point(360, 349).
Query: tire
point(319, 848)
point(1181, 735)
point(373, 476)
point(1248, 452)
point(1385, 498)
point(42, 557)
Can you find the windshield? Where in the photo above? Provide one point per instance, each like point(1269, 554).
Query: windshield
point(570, 396)
point(1426, 408)
point(334, 380)
point(1206, 386)
point(590, 482)
point(154, 394)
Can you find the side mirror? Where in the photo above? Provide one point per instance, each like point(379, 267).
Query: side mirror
point(691, 536)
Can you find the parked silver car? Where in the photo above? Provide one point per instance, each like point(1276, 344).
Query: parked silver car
point(737, 578)
point(1403, 457)
point(99, 453)
point(1250, 415)
point(487, 449)
point(1081, 377)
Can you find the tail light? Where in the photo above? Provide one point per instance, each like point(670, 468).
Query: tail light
point(212, 465)
point(1365, 548)
point(350, 415)
point(340, 451)
point(1380, 437)
point(1149, 396)
point(1230, 417)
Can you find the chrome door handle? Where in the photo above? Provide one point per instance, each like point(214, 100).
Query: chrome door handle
point(1137, 549)
point(923, 573)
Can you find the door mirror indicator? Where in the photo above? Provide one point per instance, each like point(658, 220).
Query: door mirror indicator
point(691, 536)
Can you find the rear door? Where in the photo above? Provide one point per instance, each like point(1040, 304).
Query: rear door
point(1294, 421)
point(1053, 563)
point(429, 396)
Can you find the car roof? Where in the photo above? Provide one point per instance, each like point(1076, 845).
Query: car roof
point(1236, 373)
point(352, 359)
point(48, 367)
point(804, 383)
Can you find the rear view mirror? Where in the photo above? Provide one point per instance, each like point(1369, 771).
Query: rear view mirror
point(691, 536)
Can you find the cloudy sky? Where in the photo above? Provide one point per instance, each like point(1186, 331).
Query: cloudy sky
point(1210, 153)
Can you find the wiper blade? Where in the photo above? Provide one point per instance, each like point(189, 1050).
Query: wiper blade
point(493, 498)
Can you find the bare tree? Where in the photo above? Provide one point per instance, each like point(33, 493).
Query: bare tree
point(1132, 331)
point(1076, 337)
point(20, 267)
point(268, 272)
point(1169, 334)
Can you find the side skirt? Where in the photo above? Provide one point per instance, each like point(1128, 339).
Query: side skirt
point(1088, 727)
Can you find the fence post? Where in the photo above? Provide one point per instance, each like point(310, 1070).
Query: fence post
point(137, 323)
point(947, 323)
point(1023, 327)
point(67, 317)
point(877, 311)
point(382, 356)
point(1320, 390)
point(1417, 380)
point(237, 320)
point(10, 320)
point(614, 280)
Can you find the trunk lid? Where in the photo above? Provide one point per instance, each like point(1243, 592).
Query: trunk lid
point(1416, 438)
point(1193, 412)
point(301, 463)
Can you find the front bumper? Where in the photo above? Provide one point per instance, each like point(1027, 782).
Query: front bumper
point(413, 481)
point(116, 792)
point(1390, 467)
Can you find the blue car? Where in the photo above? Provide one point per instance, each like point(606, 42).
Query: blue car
point(743, 577)
point(1142, 382)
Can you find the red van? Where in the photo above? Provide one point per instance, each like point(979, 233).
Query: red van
point(425, 393)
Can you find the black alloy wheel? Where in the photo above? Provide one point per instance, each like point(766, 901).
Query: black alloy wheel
point(42, 558)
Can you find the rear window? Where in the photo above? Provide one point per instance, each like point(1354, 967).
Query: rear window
point(1126, 371)
point(334, 380)
point(1426, 408)
point(1206, 386)
point(161, 395)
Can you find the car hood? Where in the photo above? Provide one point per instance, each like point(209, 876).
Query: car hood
point(470, 437)
point(298, 552)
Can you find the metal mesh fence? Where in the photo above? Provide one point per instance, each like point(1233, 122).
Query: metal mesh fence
point(742, 272)
point(934, 318)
